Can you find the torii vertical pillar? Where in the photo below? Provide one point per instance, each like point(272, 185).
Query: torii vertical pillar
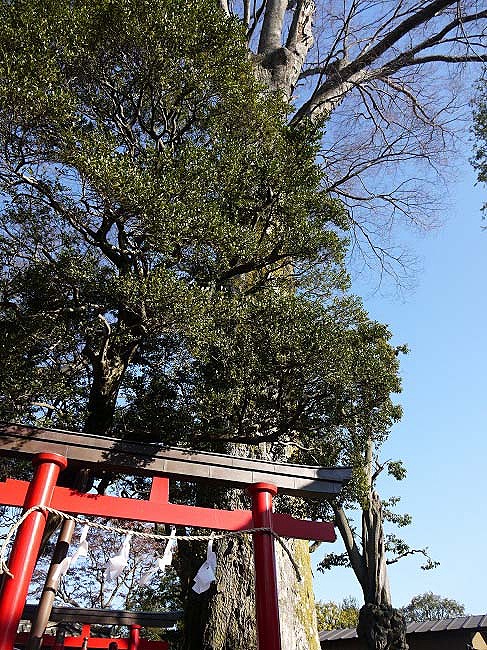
point(25, 550)
point(266, 594)
point(134, 636)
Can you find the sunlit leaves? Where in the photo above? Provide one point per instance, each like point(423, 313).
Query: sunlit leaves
point(337, 616)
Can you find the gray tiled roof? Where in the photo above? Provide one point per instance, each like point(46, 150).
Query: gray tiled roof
point(334, 635)
point(460, 623)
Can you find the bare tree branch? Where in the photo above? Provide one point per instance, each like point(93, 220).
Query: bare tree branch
point(271, 33)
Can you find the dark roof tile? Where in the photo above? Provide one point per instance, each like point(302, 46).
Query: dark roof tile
point(459, 623)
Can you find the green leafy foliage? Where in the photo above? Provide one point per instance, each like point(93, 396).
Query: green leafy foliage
point(396, 469)
point(264, 377)
point(332, 560)
point(136, 200)
point(337, 616)
point(171, 266)
point(431, 607)
point(168, 267)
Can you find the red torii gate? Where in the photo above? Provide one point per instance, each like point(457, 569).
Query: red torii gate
point(89, 616)
point(83, 640)
point(51, 450)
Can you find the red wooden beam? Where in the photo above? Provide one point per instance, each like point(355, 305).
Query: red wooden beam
point(158, 510)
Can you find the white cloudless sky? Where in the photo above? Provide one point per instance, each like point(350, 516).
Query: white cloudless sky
point(442, 436)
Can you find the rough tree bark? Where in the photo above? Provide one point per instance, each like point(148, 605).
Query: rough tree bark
point(108, 372)
point(224, 617)
point(280, 65)
point(299, 627)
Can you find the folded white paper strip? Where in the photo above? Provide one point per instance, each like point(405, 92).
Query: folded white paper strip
point(160, 563)
point(206, 574)
point(82, 551)
point(118, 563)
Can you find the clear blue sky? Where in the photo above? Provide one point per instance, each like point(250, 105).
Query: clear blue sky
point(442, 436)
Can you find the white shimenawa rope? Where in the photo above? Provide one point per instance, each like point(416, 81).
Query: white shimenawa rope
point(137, 533)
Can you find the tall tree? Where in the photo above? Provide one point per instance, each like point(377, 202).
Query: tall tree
point(168, 267)
point(369, 549)
point(293, 383)
point(386, 75)
point(142, 218)
point(134, 204)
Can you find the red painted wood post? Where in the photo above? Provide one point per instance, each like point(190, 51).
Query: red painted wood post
point(266, 594)
point(134, 636)
point(24, 553)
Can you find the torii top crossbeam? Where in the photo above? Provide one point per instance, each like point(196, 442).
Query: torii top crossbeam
point(151, 458)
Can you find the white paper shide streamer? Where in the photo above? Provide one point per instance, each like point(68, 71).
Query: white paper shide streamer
point(206, 574)
point(118, 563)
point(82, 551)
point(160, 563)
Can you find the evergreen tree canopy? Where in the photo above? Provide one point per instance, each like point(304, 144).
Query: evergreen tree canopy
point(170, 262)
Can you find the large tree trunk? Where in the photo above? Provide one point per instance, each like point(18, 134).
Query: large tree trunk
point(299, 628)
point(224, 617)
point(279, 64)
